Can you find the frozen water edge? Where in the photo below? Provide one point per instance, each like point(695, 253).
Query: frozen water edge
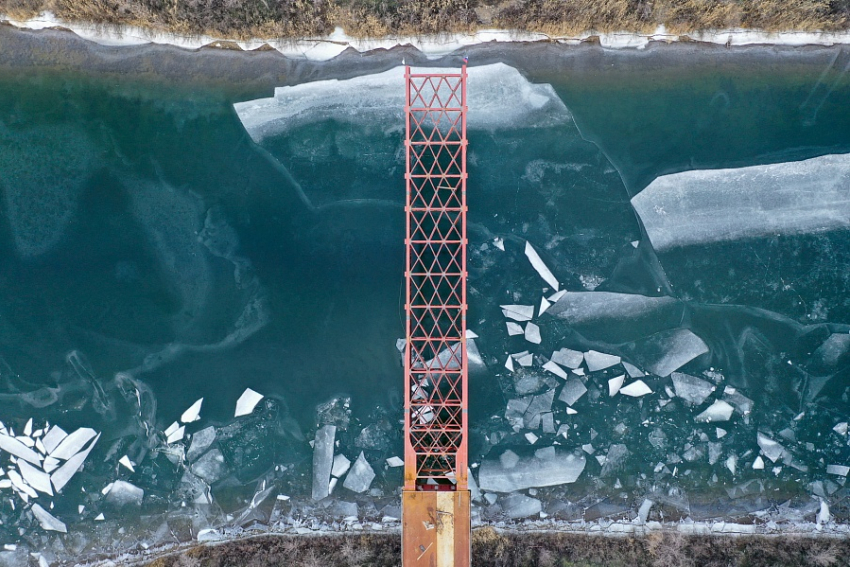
point(328, 47)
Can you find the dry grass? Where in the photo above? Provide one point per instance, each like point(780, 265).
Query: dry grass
point(302, 18)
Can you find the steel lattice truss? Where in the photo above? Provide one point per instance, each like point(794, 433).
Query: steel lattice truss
point(435, 356)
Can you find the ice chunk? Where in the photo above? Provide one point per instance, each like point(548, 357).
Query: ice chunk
point(360, 476)
point(395, 462)
point(176, 435)
point(715, 450)
point(600, 361)
point(698, 206)
point(555, 369)
point(525, 360)
point(721, 433)
point(573, 390)
point(546, 453)
point(193, 413)
point(636, 389)
point(614, 384)
point(493, 476)
point(667, 351)
point(520, 506)
point(531, 437)
point(201, 440)
point(210, 466)
point(758, 464)
point(617, 317)
point(341, 465)
point(509, 363)
point(35, 478)
point(247, 402)
point(823, 514)
point(52, 438)
point(47, 520)
point(532, 333)
point(690, 388)
point(544, 306)
point(18, 449)
point(519, 313)
point(73, 443)
point(508, 459)
point(741, 403)
point(633, 371)
point(771, 449)
point(568, 357)
point(839, 470)
point(615, 460)
point(718, 411)
point(732, 463)
point(541, 267)
point(841, 428)
point(125, 460)
point(122, 493)
point(643, 511)
point(499, 243)
point(323, 455)
point(20, 484)
point(470, 334)
point(63, 474)
point(514, 329)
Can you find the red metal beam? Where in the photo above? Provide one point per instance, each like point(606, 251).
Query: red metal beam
point(435, 357)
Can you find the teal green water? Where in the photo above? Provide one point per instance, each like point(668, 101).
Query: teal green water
point(151, 255)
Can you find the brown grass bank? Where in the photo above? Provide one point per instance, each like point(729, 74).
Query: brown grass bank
point(493, 549)
point(300, 18)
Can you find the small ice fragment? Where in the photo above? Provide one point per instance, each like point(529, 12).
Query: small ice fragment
point(571, 411)
point(541, 267)
point(599, 360)
point(81, 508)
point(518, 312)
point(568, 357)
point(53, 437)
point(509, 363)
point(73, 443)
point(18, 449)
point(588, 448)
point(341, 465)
point(614, 385)
point(771, 449)
point(721, 433)
point(531, 437)
point(360, 476)
point(20, 484)
point(63, 474)
point(839, 470)
point(555, 369)
point(172, 429)
point(35, 478)
point(499, 243)
point(758, 464)
point(125, 460)
point(193, 413)
point(718, 411)
point(573, 390)
point(395, 462)
point(10, 547)
point(636, 389)
point(247, 402)
point(690, 388)
point(633, 371)
point(643, 511)
point(556, 296)
point(400, 345)
point(100, 517)
point(177, 435)
point(47, 520)
point(544, 305)
point(514, 329)
point(28, 428)
point(532, 333)
point(841, 428)
point(470, 334)
point(525, 360)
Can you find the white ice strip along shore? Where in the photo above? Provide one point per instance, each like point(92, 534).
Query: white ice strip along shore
point(499, 97)
point(328, 47)
point(701, 206)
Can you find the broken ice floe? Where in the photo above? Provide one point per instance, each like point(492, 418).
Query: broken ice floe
point(193, 413)
point(519, 313)
point(247, 402)
point(568, 357)
point(718, 411)
point(573, 390)
point(360, 476)
point(693, 207)
point(615, 384)
point(323, 455)
point(555, 369)
point(636, 389)
point(517, 506)
point(690, 388)
point(667, 351)
point(599, 360)
point(541, 267)
point(499, 97)
point(771, 449)
point(47, 520)
point(530, 472)
point(532, 333)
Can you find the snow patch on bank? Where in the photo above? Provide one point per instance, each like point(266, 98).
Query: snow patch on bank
point(434, 46)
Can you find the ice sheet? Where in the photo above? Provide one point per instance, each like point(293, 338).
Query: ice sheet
point(530, 472)
point(699, 206)
point(499, 97)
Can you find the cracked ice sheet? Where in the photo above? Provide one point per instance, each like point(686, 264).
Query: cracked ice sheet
point(700, 206)
point(499, 97)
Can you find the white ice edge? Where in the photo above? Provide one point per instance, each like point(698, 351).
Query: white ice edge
point(328, 47)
